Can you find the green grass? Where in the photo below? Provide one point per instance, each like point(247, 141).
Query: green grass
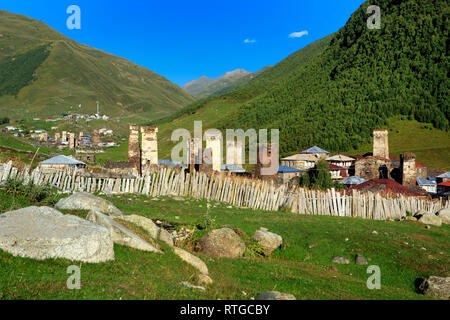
point(295, 268)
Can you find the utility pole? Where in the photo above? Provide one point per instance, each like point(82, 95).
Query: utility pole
point(32, 160)
point(98, 109)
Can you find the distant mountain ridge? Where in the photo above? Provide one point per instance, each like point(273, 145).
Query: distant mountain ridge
point(205, 87)
point(44, 73)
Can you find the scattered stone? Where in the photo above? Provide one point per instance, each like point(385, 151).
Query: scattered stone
point(87, 201)
point(229, 207)
point(121, 234)
point(275, 295)
point(204, 279)
point(333, 268)
point(189, 285)
point(374, 232)
point(312, 245)
point(346, 239)
point(222, 243)
point(444, 214)
point(177, 198)
point(424, 249)
point(154, 199)
point(430, 219)
point(191, 259)
point(340, 260)
point(43, 232)
point(177, 217)
point(359, 259)
point(438, 287)
point(143, 222)
point(268, 241)
point(427, 227)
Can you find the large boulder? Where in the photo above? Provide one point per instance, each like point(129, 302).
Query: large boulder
point(430, 219)
point(191, 259)
point(222, 243)
point(120, 234)
point(444, 214)
point(149, 226)
point(43, 232)
point(87, 201)
point(438, 287)
point(275, 295)
point(267, 240)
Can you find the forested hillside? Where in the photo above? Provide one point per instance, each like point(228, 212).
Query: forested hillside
point(361, 79)
point(335, 91)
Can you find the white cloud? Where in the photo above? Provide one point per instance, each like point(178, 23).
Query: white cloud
point(249, 41)
point(298, 34)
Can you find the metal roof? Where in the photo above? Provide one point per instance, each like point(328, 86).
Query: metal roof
point(425, 182)
point(314, 149)
point(353, 180)
point(170, 163)
point(62, 159)
point(339, 157)
point(302, 157)
point(445, 175)
point(232, 167)
point(284, 169)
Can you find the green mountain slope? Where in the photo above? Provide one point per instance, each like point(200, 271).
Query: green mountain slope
point(60, 73)
point(334, 92)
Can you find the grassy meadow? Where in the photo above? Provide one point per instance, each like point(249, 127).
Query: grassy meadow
point(404, 251)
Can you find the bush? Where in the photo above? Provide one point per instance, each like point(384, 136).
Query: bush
point(33, 193)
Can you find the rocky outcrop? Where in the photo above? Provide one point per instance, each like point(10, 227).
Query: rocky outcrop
point(438, 287)
point(43, 232)
point(87, 201)
point(444, 214)
point(192, 260)
point(359, 259)
point(268, 241)
point(148, 225)
point(121, 234)
point(222, 243)
point(275, 295)
point(430, 219)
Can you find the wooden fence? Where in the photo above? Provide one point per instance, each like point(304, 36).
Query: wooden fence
point(237, 191)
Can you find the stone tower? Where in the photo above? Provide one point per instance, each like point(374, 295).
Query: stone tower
point(57, 138)
point(149, 145)
point(64, 136)
point(408, 169)
point(214, 143)
point(134, 151)
point(267, 153)
point(72, 140)
point(235, 153)
point(380, 144)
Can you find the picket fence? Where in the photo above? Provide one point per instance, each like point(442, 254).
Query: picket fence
point(237, 191)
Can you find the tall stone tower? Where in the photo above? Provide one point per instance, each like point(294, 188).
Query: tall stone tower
point(57, 138)
point(149, 145)
point(214, 143)
point(134, 151)
point(72, 140)
point(266, 167)
point(235, 153)
point(408, 168)
point(64, 136)
point(380, 144)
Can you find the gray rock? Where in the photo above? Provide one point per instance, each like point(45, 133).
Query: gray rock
point(222, 243)
point(191, 286)
point(359, 259)
point(268, 241)
point(166, 237)
point(121, 234)
point(275, 295)
point(204, 279)
point(340, 260)
point(438, 287)
point(430, 219)
point(191, 259)
point(87, 201)
point(143, 222)
point(444, 214)
point(43, 232)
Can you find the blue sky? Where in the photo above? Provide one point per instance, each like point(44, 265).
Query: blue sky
point(183, 40)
